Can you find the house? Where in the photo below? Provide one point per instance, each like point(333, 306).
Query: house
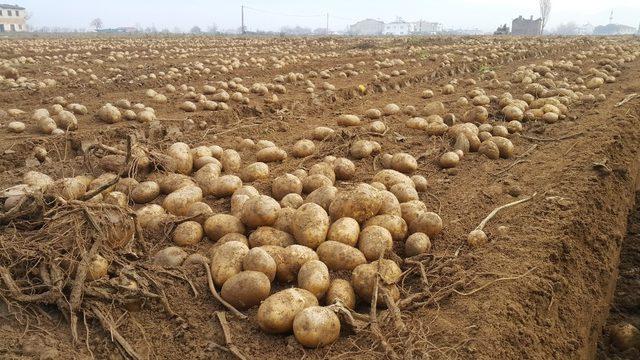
point(367, 27)
point(422, 27)
point(614, 29)
point(530, 27)
point(397, 27)
point(12, 18)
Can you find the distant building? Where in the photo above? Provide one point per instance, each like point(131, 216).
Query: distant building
point(422, 27)
point(522, 26)
point(120, 30)
point(367, 27)
point(502, 30)
point(12, 18)
point(398, 27)
point(586, 29)
point(614, 29)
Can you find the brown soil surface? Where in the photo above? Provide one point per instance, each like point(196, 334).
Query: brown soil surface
point(540, 289)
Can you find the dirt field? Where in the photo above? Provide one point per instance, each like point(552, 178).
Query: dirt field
point(541, 288)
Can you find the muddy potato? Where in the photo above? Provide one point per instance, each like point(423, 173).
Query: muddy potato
point(310, 225)
point(420, 183)
point(377, 127)
point(150, 216)
point(271, 154)
point(259, 211)
point(277, 312)
point(360, 203)
point(340, 256)
point(227, 261)
point(286, 184)
point(322, 133)
point(266, 235)
point(220, 225)
point(257, 259)
point(344, 230)
point(206, 177)
point(204, 160)
point(292, 258)
point(285, 219)
point(255, 171)
point(291, 201)
point(344, 169)
point(489, 149)
point(170, 257)
point(364, 276)
point(389, 177)
point(361, 149)
point(116, 198)
point(179, 201)
point(228, 238)
point(449, 159)
point(181, 153)
point(404, 163)
point(237, 203)
point(145, 192)
point(374, 241)
point(341, 291)
point(323, 168)
point(231, 161)
point(98, 267)
point(315, 181)
point(348, 120)
point(505, 146)
point(393, 223)
point(322, 196)
point(187, 233)
point(303, 148)
point(37, 180)
point(417, 243)
point(200, 212)
point(314, 277)
point(246, 289)
point(477, 238)
point(404, 192)
point(169, 183)
point(426, 222)
point(316, 326)
point(225, 186)
point(390, 204)
point(67, 188)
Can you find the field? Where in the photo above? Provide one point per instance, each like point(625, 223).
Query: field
point(550, 126)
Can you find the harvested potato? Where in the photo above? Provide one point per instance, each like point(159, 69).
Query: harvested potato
point(220, 225)
point(477, 238)
point(361, 149)
point(200, 212)
point(230, 237)
point(340, 291)
point(277, 313)
point(364, 277)
point(322, 196)
point(426, 222)
point(389, 177)
point(170, 257)
point(340, 256)
point(168, 184)
point(489, 149)
point(393, 223)
point(313, 182)
point(310, 225)
point(449, 159)
point(255, 171)
point(271, 154)
point(505, 146)
point(188, 233)
point(390, 204)
point(284, 220)
point(404, 192)
point(257, 259)
point(374, 241)
point(404, 163)
point(150, 216)
point(417, 243)
point(225, 186)
point(227, 261)
point(67, 188)
point(322, 133)
point(179, 201)
point(323, 168)
point(291, 201)
point(348, 120)
point(420, 183)
point(231, 161)
point(360, 203)
point(259, 211)
point(303, 148)
point(109, 114)
point(314, 277)
point(344, 230)
point(285, 184)
point(266, 235)
point(316, 326)
point(246, 289)
point(181, 153)
point(291, 259)
point(344, 169)
point(145, 192)
point(98, 267)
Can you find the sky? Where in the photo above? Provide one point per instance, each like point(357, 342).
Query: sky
point(485, 15)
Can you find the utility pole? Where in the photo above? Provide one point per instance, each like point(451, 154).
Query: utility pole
point(327, 30)
point(242, 19)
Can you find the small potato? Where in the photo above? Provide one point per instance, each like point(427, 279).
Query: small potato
point(360, 203)
point(394, 223)
point(225, 186)
point(145, 192)
point(426, 222)
point(98, 267)
point(489, 149)
point(277, 312)
point(449, 159)
point(344, 230)
point(417, 243)
point(271, 154)
point(187, 233)
point(420, 183)
point(181, 153)
point(364, 276)
point(246, 289)
point(377, 127)
point(404, 192)
point(361, 149)
point(255, 171)
point(339, 256)
point(220, 225)
point(323, 133)
point(310, 225)
point(303, 148)
point(374, 241)
point(314, 277)
point(341, 291)
point(348, 120)
point(179, 201)
point(227, 261)
point(231, 161)
point(344, 169)
point(259, 211)
point(477, 238)
point(505, 146)
point(266, 235)
point(322, 196)
point(170, 257)
point(404, 163)
point(390, 204)
point(389, 177)
point(285, 184)
point(291, 201)
point(257, 259)
point(315, 181)
point(316, 326)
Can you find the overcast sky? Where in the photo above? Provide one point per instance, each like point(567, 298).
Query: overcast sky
point(274, 14)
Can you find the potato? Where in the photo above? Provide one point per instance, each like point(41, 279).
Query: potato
point(179, 201)
point(449, 159)
point(404, 192)
point(220, 225)
point(116, 198)
point(505, 146)
point(170, 183)
point(285, 184)
point(170, 257)
point(477, 238)
point(188, 106)
point(373, 114)
point(310, 225)
point(204, 160)
point(181, 153)
point(259, 211)
point(284, 220)
point(393, 223)
point(316, 327)
point(17, 127)
point(344, 230)
point(230, 237)
point(360, 203)
point(150, 216)
point(411, 209)
point(314, 277)
point(377, 127)
point(426, 222)
point(478, 114)
point(389, 177)
point(271, 154)
point(246, 289)
point(231, 161)
point(340, 256)
point(361, 149)
point(225, 185)
point(341, 291)
point(344, 169)
point(434, 108)
point(322, 196)
point(98, 267)
point(66, 120)
point(266, 235)
point(374, 241)
point(420, 183)
point(67, 188)
point(291, 201)
point(109, 114)
point(303, 148)
point(364, 276)
point(390, 203)
point(277, 313)
point(291, 259)
point(227, 261)
point(489, 149)
point(200, 212)
point(404, 163)
point(206, 177)
point(348, 120)
point(257, 259)
point(417, 243)
point(145, 192)
point(300, 173)
point(187, 233)
point(255, 171)
point(322, 133)
point(315, 181)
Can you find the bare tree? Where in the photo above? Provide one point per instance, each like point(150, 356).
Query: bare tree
point(96, 23)
point(545, 9)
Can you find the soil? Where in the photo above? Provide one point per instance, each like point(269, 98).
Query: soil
point(540, 289)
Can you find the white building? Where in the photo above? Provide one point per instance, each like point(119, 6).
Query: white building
point(367, 27)
point(398, 27)
point(422, 27)
point(12, 18)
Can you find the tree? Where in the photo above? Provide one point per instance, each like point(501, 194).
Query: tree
point(569, 28)
point(196, 30)
point(545, 9)
point(96, 23)
point(213, 29)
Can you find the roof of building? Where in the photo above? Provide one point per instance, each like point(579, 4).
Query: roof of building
point(369, 20)
point(11, 7)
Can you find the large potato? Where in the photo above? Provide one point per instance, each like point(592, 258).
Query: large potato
point(360, 203)
point(389, 177)
point(181, 153)
point(316, 326)
point(363, 279)
point(227, 261)
point(322, 196)
point(151, 216)
point(187, 233)
point(179, 201)
point(145, 192)
point(206, 177)
point(426, 222)
point(286, 184)
point(290, 260)
point(246, 289)
point(341, 291)
point(220, 225)
point(309, 225)
point(395, 224)
point(258, 259)
point(271, 154)
point(266, 235)
point(277, 312)
point(225, 186)
point(374, 241)
point(231, 161)
point(344, 230)
point(259, 211)
point(314, 277)
point(339, 256)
